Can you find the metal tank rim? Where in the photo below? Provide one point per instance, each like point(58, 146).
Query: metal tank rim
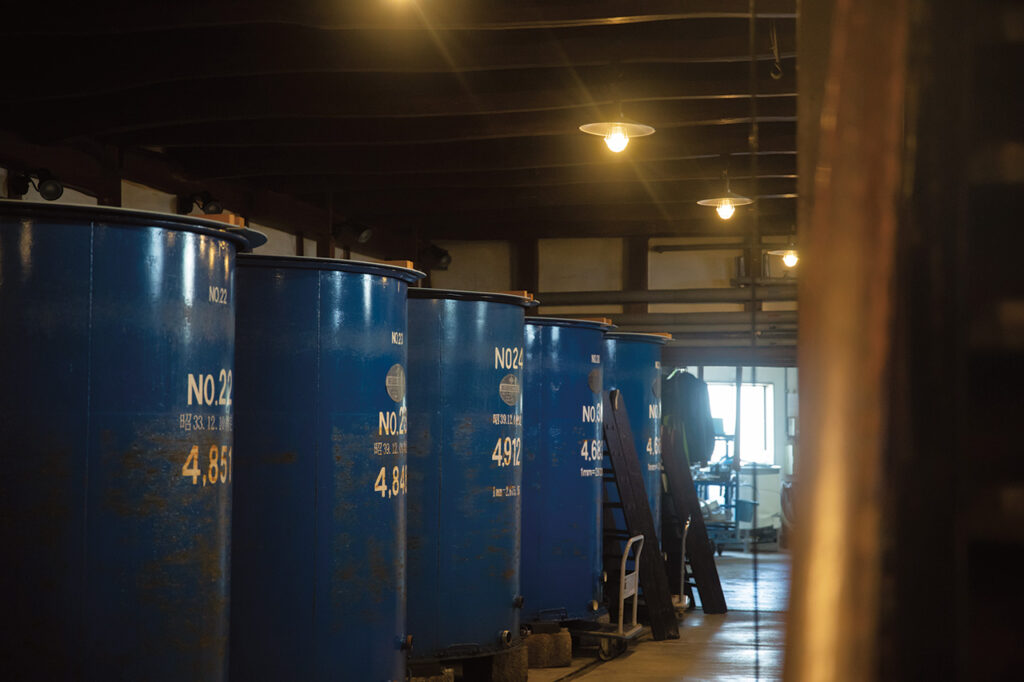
point(310, 263)
point(641, 337)
point(568, 322)
point(458, 295)
point(131, 216)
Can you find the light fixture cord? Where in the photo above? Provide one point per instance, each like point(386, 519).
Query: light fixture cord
point(755, 243)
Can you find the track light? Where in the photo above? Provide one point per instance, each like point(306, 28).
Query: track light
point(207, 204)
point(49, 187)
point(433, 257)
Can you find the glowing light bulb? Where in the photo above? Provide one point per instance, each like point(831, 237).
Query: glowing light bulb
point(789, 259)
point(617, 139)
point(725, 209)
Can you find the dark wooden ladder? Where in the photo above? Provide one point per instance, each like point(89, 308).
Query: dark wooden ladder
point(686, 504)
point(629, 481)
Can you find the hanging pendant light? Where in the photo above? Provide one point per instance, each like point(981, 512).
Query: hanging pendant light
point(617, 133)
point(726, 202)
point(790, 257)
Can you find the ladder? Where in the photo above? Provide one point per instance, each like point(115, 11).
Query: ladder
point(628, 480)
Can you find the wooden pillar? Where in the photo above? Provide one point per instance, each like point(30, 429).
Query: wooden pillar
point(635, 264)
point(847, 244)
point(325, 246)
point(525, 265)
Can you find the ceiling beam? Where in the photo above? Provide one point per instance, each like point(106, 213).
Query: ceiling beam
point(569, 150)
point(98, 170)
point(433, 200)
point(437, 15)
point(586, 90)
point(168, 57)
point(430, 213)
point(299, 132)
point(684, 220)
point(779, 165)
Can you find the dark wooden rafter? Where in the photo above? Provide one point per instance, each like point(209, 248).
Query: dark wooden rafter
point(440, 15)
point(81, 63)
point(589, 90)
point(569, 150)
point(570, 224)
point(454, 121)
point(387, 131)
point(689, 210)
point(436, 200)
point(781, 165)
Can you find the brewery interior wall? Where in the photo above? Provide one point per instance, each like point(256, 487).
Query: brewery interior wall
point(584, 264)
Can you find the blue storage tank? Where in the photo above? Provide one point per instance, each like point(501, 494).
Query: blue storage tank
point(633, 366)
point(465, 471)
point(318, 557)
point(117, 337)
point(562, 469)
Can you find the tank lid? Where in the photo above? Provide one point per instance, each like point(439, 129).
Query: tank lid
point(306, 263)
point(642, 337)
point(473, 296)
point(244, 238)
point(569, 322)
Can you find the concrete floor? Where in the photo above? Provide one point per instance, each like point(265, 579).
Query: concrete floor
point(742, 644)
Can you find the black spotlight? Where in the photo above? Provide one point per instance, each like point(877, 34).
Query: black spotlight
point(17, 185)
point(352, 231)
point(363, 233)
point(433, 257)
point(50, 188)
point(207, 204)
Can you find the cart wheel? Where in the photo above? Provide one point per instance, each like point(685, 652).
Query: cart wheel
point(610, 648)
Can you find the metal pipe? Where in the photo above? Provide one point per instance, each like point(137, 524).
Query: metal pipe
point(715, 246)
point(782, 292)
point(707, 328)
point(761, 317)
point(740, 345)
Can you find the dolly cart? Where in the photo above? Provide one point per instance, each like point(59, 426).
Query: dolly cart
point(615, 640)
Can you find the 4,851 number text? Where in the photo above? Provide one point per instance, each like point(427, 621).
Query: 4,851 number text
point(216, 469)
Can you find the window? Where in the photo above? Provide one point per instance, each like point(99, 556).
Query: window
point(757, 420)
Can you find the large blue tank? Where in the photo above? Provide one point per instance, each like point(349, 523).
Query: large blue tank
point(116, 356)
point(562, 451)
point(465, 471)
point(318, 581)
point(633, 366)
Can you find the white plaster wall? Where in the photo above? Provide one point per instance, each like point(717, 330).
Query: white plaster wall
point(279, 243)
point(692, 270)
point(147, 199)
point(476, 266)
point(580, 265)
point(309, 247)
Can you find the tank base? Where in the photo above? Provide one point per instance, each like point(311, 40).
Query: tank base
point(550, 649)
point(507, 665)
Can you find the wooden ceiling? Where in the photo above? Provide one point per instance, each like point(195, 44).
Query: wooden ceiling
point(429, 119)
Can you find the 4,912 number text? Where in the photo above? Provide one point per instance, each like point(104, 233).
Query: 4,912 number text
point(508, 451)
point(216, 468)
